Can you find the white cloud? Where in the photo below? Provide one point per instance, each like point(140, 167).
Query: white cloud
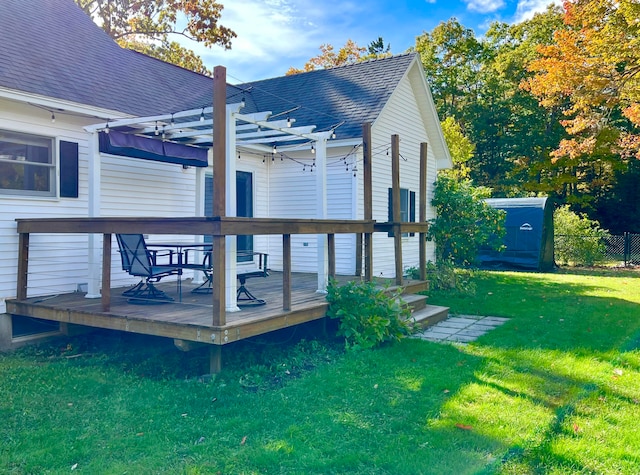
point(527, 8)
point(484, 6)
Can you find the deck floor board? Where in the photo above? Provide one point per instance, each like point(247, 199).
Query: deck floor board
point(192, 310)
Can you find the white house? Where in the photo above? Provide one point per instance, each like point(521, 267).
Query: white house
point(63, 80)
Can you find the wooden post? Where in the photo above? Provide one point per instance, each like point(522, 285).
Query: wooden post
point(218, 275)
point(359, 256)
point(23, 266)
point(286, 272)
point(395, 193)
point(215, 359)
point(219, 192)
point(423, 210)
point(106, 272)
point(331, 245)
point(368, 198)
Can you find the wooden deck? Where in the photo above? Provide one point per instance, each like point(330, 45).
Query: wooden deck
point(190, 320)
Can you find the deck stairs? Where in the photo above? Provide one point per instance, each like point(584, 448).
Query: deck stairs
point(425, 315)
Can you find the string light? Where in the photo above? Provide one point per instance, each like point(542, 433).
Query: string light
point(243, 102)
point(202, 115)
point(288, 121)
point(156, 131)
point(313, 149)
point(172, 121)
point(106, 130)
point(53, 118)
point(333, 134)
point(163, 134)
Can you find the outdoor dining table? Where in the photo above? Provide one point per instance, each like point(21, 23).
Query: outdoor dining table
point(181, 250)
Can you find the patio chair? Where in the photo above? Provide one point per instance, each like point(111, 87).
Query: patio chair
point(243, 297)
point(139, 261)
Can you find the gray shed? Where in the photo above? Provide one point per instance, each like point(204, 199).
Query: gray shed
point(529, 238)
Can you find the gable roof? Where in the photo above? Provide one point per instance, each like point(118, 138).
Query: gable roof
point(352, 94)
point(52, 48)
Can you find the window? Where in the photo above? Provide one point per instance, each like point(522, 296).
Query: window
point(407, 207)
point(27, 164)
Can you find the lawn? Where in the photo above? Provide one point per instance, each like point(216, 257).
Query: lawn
point(554, 390)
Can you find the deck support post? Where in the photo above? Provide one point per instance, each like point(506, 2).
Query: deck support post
point(215, 359)
point(95, 199)
point(321, 210)
point(331, 246)
point(395, 193)
point(368, 199)
point(106, 272)
point(423, 210)
point(286, 272)
point(23, 266)
point(231, 210)
point(219, 205)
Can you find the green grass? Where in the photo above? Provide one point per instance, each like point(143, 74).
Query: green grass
point(554, 390)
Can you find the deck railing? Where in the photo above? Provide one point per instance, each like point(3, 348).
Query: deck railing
point(217, 227)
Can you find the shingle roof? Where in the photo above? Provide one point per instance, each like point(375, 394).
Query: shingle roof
point(52, 48)
point(354, 94)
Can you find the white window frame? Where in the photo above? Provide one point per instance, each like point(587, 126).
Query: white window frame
point(13, 136)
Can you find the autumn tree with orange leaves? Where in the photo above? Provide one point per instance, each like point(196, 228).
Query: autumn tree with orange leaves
point(594, 69)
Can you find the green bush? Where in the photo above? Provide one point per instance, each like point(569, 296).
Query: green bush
point(578, 240)
point(464, 221)
point(444, 275)
point(368, 315)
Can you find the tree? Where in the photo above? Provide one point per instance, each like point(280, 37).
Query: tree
point(577, 239)
point(451, 56)
point(148, 25)
point(377, 49)
point(460, 148)
point(594, 65)
point(350, 53)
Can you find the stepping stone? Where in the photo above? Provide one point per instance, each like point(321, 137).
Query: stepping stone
point(461, 329)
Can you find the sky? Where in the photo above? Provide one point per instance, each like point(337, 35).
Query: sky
point(274, 35)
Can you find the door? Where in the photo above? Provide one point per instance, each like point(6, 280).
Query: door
point(244, 207)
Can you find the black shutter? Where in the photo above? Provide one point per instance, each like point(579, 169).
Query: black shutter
point(412, 208)
point(68, 169)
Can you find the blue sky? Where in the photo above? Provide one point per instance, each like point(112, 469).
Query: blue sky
point(276, 34)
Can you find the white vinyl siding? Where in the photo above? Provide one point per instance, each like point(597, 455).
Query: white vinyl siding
point(293, 194)
point(400, 116)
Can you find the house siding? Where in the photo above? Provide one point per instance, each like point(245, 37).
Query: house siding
point(292, 194)
point(400, 116)
point(63, 273)
point(129, 187)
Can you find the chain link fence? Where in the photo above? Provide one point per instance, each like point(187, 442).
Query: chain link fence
point(624, 248)
point(621, 249)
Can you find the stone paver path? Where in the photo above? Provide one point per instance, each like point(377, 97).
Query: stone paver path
point(462, 329)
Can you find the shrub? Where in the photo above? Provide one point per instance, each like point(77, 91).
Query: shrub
point(444, 275)
point(464, 221)
point(578, 240)
point(368, 315)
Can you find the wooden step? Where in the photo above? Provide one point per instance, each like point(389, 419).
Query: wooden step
point(430, 315)
point(415, 286)
point(415, 301)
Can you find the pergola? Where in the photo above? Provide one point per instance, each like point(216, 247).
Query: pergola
point(221, 128)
